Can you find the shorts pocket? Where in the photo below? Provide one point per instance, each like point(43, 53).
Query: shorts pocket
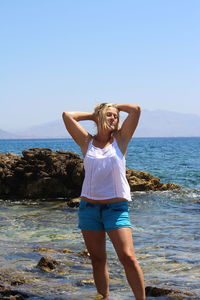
point(119, 206)
point(82, 204)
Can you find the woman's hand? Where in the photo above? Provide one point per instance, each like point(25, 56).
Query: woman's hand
point(94, 117)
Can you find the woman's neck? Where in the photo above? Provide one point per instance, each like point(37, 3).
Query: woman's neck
point(103, 138)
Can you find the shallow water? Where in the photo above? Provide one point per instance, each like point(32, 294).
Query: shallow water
point(166, 237)
point(166, 228)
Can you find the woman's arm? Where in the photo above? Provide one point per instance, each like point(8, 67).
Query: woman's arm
point(78, 133)
point(130, 123)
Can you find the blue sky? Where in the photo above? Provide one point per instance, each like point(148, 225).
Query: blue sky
point(69, 55)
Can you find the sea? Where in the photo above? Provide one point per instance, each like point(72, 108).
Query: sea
point(166, 228)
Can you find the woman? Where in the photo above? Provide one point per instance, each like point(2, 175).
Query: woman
point(105, 191)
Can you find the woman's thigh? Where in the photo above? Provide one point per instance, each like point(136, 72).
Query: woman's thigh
point(122, 241)
point(95, 241)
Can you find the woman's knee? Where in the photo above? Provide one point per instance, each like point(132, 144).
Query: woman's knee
point(98, 259)
point(128, 259)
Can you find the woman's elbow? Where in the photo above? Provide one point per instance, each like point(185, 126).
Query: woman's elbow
point(65, 115)
point(137, 109)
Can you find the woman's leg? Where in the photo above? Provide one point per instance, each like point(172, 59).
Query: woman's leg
point(95, 241)
point(123, 243)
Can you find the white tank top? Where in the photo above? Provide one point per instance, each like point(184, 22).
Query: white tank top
point(105, 173)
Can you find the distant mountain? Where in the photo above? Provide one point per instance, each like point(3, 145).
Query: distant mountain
point(7, 135)
point(161, 123)
point(53, 129)
point(157, 123)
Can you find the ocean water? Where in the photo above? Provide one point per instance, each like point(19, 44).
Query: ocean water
point(166, 227)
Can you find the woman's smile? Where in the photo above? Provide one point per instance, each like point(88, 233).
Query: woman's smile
point(112, 117)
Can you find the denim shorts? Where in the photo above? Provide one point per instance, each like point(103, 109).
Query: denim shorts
point(105, 217)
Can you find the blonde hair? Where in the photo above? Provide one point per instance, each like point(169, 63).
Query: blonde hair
point(100, 111)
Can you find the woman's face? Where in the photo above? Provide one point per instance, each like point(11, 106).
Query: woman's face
point(111, 118)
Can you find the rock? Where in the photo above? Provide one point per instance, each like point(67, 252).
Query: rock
point(169, 186)
point(8, 279)
point(53, 250)
point(74, 202)
point(158, 292)
point(42, 173)
point(85, 282)
point(84, 253)
point(143, 181)
point(12, 294)
point(47, 264)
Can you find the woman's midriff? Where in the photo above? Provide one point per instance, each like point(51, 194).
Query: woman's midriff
point(106, 201)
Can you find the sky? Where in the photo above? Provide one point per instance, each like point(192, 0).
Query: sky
point(72, 54)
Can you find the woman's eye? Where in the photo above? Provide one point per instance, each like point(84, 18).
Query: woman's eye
point(110, 114)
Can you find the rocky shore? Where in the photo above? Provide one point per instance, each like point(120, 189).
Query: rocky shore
point(42, 173)
point(14, 286)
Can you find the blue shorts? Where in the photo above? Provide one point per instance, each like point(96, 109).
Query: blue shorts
point(103, 216)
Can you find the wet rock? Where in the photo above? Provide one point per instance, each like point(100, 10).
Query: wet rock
point(84, 253)
point(169, 186)
point(12, 295)
point(7, 277)
point(143, 181)
point(159, 292)
point(156, 292)
point(47, 264)
point(50, 250)
point(42, 173)
point(74, 202)
point(85, 282)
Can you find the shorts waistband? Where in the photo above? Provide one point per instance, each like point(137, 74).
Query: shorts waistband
point(87, 203)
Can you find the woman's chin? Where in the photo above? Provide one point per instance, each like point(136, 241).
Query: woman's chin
point(112, 129)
